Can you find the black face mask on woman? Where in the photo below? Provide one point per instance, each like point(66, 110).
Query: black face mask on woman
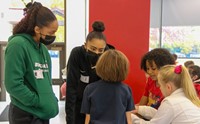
point(47, 40)
point(92, 58)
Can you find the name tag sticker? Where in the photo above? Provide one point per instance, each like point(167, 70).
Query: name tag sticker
point(38, 74)
point(84, 79)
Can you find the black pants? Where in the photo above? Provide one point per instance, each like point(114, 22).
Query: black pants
point(79, 117)
point(18, 116)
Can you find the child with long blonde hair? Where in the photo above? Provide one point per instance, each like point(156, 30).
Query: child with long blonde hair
point(181, 103)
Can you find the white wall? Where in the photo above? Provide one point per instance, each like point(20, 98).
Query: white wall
point(76, 22)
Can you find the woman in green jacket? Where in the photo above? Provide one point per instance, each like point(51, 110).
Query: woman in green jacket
point(28, 67)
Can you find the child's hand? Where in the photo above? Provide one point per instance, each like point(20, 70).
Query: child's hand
point(135, 110)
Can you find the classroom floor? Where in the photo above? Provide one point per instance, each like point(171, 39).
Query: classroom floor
point(59, 119)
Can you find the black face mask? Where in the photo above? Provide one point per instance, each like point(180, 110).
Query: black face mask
point(48, 39)
point(92, 57)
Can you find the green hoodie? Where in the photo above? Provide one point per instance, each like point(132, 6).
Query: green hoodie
point(28, 76)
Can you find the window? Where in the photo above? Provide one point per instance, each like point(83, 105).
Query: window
point(182, 40)
point(175, 25)
point(15, 7)
point(55, 62)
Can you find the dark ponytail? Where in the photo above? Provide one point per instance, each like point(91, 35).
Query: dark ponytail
point(35, 15)
point(98, 28)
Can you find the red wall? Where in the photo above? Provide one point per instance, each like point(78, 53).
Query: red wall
point(127, 28)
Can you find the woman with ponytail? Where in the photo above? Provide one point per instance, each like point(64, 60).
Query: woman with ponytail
point(181, 103)
point(28, 67)
point(81, 71)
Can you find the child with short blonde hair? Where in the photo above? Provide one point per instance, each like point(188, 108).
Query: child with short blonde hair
point(109, 100)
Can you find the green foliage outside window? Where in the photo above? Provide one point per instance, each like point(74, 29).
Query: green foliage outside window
point(184, 41)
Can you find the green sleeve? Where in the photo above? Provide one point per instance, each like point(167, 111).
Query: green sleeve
point(15, 69)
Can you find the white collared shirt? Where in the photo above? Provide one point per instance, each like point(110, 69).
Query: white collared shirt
point(176, 109)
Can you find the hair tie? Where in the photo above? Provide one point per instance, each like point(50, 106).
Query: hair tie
point(178, 69)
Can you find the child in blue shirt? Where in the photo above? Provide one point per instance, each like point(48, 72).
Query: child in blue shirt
point(109, 100)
